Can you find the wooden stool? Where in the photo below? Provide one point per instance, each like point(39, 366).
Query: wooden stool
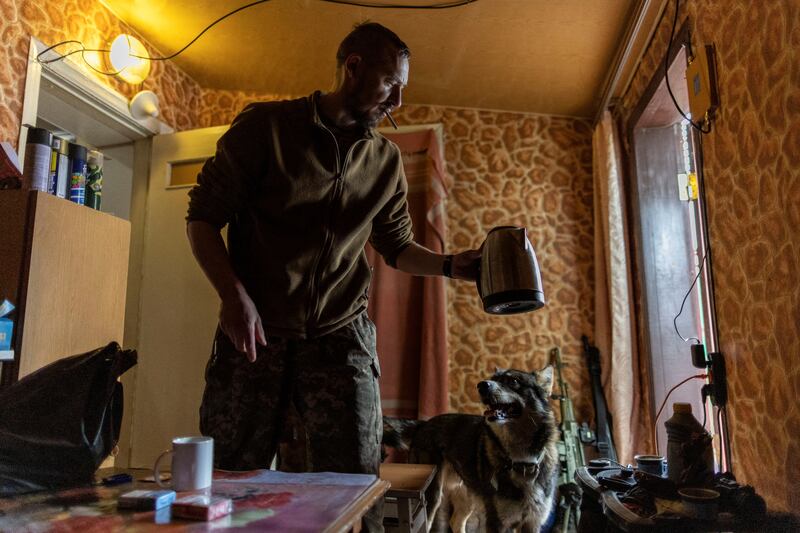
point(404, 502)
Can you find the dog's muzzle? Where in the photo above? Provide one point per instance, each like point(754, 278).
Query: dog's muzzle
point(499, 408)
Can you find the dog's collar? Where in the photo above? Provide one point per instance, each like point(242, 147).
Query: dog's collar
point(527, 469)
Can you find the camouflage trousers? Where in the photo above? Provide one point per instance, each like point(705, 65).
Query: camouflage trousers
point(318, 396)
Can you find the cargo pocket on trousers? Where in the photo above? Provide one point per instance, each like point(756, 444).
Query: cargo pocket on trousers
point(375, 366)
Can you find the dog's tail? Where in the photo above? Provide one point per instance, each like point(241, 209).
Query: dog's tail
point(399, 432)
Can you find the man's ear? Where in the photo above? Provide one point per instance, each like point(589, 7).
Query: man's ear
point(351, 65)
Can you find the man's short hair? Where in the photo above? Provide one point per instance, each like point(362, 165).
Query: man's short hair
point(371, 41)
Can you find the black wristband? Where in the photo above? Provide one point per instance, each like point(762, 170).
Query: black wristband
point(447, 266)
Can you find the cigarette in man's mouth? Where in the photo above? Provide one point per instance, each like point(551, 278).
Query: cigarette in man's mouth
point(390, 119)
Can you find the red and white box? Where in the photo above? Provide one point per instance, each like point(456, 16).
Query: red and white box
point(201, 507)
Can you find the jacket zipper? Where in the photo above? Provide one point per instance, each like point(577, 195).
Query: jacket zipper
point(341, 167)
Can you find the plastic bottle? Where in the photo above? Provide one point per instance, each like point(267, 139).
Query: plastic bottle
point(77, 188)
point(680, 428)
point(37, 159)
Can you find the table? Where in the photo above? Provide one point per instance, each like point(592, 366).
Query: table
point(263, 500)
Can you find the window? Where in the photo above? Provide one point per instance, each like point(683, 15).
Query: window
point(671, 242)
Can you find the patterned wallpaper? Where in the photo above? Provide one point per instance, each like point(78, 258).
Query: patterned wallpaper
point(752, 169)
point(506, 168)
point(87, 21)
point(532, 171)
point(220, 107)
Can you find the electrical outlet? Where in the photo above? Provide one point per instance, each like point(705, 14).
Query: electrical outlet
point(719, 380)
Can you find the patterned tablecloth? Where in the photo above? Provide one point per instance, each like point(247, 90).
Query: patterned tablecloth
point(263, 500)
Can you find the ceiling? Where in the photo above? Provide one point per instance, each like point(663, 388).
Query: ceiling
point(541, 56)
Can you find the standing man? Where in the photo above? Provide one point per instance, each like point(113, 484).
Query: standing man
point(302, 186)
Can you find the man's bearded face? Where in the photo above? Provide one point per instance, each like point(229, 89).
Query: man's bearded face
point(376, 89)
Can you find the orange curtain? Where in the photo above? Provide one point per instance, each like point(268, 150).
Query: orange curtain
point(409, 311)
point(624, 379)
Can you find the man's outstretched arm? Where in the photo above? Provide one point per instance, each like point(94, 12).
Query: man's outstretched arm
point(417, 260)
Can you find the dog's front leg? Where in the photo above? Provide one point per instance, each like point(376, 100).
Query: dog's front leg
point(458, 521)
point(461, 502)
point(434, 504)
point(493, 522)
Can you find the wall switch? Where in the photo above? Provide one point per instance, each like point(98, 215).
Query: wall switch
point(687, 187)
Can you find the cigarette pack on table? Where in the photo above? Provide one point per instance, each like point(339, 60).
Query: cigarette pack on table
point(146, 500)
point(201, 507)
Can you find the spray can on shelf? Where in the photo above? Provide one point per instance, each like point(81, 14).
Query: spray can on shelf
point(94, 179)
point(688, 450)
point(77, 182)
point(37, 159)
point(63, 170)
point(51, 178)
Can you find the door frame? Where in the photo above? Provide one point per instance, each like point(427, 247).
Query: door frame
point(162, 389)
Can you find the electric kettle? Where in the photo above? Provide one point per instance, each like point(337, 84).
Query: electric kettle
point(509, 280)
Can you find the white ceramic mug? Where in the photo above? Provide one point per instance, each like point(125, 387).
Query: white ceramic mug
point(192, 463)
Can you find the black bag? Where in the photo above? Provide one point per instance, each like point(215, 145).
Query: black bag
point(58, 424)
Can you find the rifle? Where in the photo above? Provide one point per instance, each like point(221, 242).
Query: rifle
point(570, 451)
point(604, 439)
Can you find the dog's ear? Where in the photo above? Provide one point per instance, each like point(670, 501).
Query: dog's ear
point(498, 370)
point(544, 378)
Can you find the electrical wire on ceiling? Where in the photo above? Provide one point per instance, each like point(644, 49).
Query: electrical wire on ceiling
point(82, 51)
point(696, 125)
point(374, 5)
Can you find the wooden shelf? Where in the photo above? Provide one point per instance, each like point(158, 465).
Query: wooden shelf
point(70, 279)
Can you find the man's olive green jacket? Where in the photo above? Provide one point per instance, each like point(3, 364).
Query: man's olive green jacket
point(298, 217)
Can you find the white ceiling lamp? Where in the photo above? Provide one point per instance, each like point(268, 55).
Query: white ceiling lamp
point(130, 59)
point(144, 105)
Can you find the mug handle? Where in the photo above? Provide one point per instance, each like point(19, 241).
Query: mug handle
point(157, 470)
